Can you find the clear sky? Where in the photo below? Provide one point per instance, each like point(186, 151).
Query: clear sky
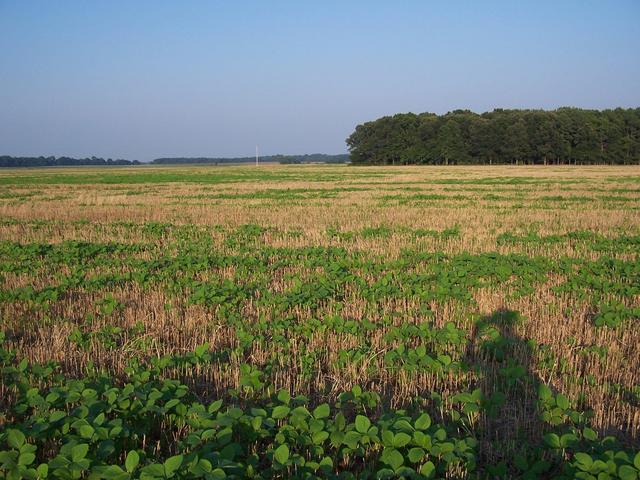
point(143, 79)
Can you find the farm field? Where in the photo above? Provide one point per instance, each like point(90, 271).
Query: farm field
point(320, 322)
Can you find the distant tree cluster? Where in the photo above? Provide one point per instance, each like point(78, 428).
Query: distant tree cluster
point(312, 158)
point(7, 161)
point(309, 158)
point(562, 136)
point(187, 160)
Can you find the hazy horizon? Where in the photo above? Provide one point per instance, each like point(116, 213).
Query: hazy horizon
point(142, 80)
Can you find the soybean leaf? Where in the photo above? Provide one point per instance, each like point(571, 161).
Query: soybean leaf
point(280, 411)
point(362, 424)
point(172, 464)
point(423, 422)
point(281, 454)
point(132, 461)
point(15, 438)
point(322, 411)
point(392, 457)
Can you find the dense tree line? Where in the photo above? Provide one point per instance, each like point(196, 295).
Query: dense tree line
point(8, 161)
point(562, 136)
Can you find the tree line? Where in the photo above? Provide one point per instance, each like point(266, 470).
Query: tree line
point(566, 136)
point(307, 158)
point(8, 161)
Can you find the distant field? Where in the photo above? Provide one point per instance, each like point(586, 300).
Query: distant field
point(438, 322)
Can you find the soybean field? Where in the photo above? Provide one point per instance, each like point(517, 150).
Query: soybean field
point(338, 322)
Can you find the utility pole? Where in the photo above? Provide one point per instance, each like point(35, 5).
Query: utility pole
point(256, 155)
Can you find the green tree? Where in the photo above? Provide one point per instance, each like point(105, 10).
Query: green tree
point(450, 147)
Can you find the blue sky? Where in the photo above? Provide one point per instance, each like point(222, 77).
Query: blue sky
point(143, 79)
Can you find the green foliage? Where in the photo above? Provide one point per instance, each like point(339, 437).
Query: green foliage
point(147, 423)
point(101, 428)
point(614, 314)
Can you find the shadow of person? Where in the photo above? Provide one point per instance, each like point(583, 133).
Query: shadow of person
point(502, 362)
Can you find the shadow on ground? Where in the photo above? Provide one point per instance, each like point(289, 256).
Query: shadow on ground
point(502, 362)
